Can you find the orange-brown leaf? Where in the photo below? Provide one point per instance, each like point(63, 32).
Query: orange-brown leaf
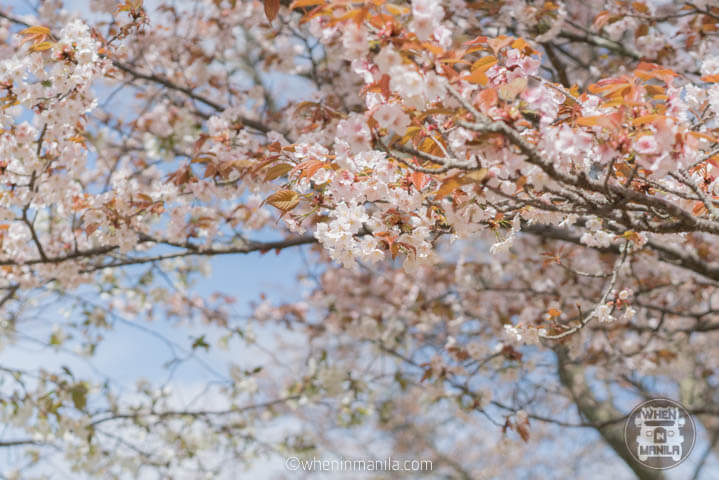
point(477, 76)
point(396, 10)
point(699, 209)
point(589, 121)
point(419, 180)
point(305, 3)
point(91, 228)
point(644, 119)
point(271, 9)
point(607, 121)
point(277, 170)
point(410, 134)
point(448, 186)
point(602, 19)
point(486, 99)
point(42, 46)
point(523, 431)
point(510, 91)
point(477, 176)
point(640, 7)
point(309, 167)
point(484, 63)
point(37, 36)
point(499, 43)
point(284, 200)
point(705, 136)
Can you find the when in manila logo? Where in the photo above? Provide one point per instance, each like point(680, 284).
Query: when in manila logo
point(659, 433)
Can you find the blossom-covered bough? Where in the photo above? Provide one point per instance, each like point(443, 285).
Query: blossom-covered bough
point(513, 207)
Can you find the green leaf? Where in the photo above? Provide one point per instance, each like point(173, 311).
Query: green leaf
point(200, 343)
point(79, 395)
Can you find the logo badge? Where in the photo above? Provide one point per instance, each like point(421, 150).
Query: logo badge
point(660, 433)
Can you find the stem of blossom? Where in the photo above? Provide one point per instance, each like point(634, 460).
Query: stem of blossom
point(31, 226)
point(608, 289)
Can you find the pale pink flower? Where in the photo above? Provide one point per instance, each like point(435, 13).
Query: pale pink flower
point(646, 145)
point(392, 117)
point(355, 132)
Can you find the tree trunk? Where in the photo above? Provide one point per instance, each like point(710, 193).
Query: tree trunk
point(598, 413)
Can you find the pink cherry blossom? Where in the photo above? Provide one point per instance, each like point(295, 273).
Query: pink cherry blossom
point(646, 145)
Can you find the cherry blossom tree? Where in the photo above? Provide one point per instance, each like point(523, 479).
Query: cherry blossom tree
point(507, 212)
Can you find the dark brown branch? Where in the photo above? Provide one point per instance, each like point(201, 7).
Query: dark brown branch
point(557, 64)
point(194, 413)
point(601, 42)
point(17, 443)
point(249, 247)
